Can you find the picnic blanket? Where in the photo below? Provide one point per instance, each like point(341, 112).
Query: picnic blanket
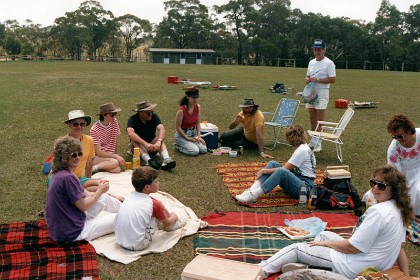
point(252, 237)
point(413, 231)
point(162, 241)
point(237, 177)
point(27, 252)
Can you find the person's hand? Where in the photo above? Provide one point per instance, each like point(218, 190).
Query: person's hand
point(260, 173)
point(120, 159)
point(150, 148)
point(120, 198)
point(307, 80)
point(238, 119)
point(264, 155)
point(103, 186)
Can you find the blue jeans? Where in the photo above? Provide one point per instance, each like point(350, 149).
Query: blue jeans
point(288, 181)
point(188, 147)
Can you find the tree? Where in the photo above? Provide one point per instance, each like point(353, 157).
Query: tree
point(187, 25)
point(133, 30)
point(243, 16)
point(2, 34)
point(13, 45)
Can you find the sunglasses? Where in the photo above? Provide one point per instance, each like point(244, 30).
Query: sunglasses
point(112, 114)
point(82, 124)
point(76, 155)
point(398, 136)
point(381, 185)
point(149, 113)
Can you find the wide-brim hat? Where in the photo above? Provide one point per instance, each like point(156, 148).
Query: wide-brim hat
point(318, 44)
point(108, 108)
point(78, 114)
point(248, 102)
point(192, 91)
point(144, 106)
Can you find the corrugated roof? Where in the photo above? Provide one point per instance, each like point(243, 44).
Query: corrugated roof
point(181, 50)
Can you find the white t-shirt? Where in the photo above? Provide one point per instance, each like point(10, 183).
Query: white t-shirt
point(135, 217)
point(407, 160)
point(321, 69)
point(378, 236)
point(304, 161)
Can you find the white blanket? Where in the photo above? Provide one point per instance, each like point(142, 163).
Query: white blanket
point(106, 245)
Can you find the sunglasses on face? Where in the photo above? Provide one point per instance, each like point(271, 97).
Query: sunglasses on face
point(398, 136)
point(381, 185)
point(112, 114)
point(82, 124)
point(149, 113)
point(76, 154)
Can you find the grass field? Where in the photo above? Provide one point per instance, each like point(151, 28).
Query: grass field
point(36, 97)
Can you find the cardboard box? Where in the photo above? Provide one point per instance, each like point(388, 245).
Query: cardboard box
point(210, 134)
point(204, 267)
point(341, 103)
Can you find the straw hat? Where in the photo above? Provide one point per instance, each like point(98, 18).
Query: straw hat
point(78, 114)
point(248, 102)
point(144, 106)
point(108, 108)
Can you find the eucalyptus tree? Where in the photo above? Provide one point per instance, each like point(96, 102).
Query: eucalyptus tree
point(243, 17)
point(186, 25)
point(134, 31)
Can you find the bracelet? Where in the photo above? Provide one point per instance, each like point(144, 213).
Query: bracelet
point(160, 139)
point(96, 198)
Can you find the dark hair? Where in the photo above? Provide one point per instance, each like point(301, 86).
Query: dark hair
point(295, 135)
point(143, 176)
point(101, 117)
point(399, 191)
point(189, 92)
point(63, 147)
point(398, 121)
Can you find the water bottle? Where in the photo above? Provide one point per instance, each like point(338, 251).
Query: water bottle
point(313, 197)
point(302, 194)
point(136, 158)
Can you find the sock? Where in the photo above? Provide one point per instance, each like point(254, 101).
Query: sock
point(145, 157)
point(165, 154)
point(257, 192)
point(255, 185)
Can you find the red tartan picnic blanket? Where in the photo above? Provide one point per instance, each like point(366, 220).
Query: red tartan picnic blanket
point(27, 252)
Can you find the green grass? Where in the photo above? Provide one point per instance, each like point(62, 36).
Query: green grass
point(36, 97)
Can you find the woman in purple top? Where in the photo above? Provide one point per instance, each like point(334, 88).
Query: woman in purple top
point(71, 210)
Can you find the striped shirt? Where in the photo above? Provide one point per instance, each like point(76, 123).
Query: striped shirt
point(106, 136)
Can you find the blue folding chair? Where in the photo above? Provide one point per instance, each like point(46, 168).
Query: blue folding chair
point(282, 118)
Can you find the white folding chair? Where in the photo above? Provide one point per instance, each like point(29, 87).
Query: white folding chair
point(331, 132)
point(282, 118)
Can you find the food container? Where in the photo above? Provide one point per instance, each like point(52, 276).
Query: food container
point(341, 103)
point(233, 154)
point(210, 134)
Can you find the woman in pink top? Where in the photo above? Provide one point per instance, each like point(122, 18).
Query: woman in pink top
point(187, 135)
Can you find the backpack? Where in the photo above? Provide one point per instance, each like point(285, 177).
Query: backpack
point(340, 196)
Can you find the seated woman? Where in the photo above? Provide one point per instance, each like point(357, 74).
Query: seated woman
point(376, 241)
point(187, 136)
point(71, 210)
point(300, 168)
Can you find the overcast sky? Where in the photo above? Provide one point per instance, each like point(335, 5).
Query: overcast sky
point(44, 12)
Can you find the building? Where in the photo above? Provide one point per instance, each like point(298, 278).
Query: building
point(182, 56)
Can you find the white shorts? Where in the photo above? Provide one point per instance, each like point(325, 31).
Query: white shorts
point(323, 98)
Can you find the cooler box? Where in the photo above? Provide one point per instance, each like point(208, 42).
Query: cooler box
point(172, 79)
point(336, 174)
point(204, 267)
point(210, 134)
point(341, 103)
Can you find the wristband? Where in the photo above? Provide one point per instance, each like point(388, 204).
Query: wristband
point(160, 139)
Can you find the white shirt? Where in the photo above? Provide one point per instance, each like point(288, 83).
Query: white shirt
point(304, 160)
point(321, 69)
point(378, 236)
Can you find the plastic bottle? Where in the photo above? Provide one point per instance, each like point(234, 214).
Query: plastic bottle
point(302, 194)
point(136, 158)
point(313, 197)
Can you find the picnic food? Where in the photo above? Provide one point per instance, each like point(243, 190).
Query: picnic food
point(295, 231)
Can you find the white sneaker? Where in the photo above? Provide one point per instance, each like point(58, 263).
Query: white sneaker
point(317, 149)
point(293, 266)
point(246, 197)
point(177, 225)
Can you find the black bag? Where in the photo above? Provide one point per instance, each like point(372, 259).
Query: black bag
point(340, 196)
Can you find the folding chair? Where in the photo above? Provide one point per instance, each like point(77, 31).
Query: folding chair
point(282, 118)
point(331, 132)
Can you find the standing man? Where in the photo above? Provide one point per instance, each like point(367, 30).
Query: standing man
point(146, 132)
point(104, 133)
point(251, 134)
point(321, 72)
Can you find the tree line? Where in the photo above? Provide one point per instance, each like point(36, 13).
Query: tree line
point(251, 31)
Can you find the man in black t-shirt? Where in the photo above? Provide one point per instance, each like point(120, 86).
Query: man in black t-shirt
point(146, 132)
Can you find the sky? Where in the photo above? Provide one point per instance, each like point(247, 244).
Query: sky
point(44, 12)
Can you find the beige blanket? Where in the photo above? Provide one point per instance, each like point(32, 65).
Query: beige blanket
point(121, 184)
